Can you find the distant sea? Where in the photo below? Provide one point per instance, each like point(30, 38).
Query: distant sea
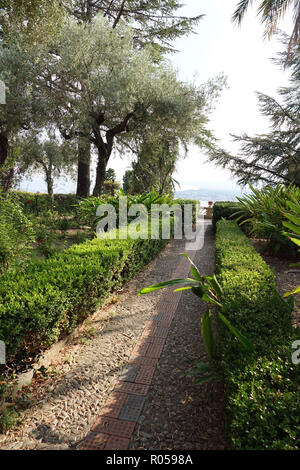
point(201, 194)
point(205, 195)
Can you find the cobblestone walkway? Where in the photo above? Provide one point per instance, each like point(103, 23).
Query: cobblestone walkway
point(153, 404)
point(127, 382)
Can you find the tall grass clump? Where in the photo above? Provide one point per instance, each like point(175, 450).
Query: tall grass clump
point(263, 211)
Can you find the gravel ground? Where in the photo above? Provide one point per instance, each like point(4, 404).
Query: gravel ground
point(176, 414)
point(63, 407)
point(287, 278)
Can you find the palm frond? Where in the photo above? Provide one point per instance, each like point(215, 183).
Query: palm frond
point(296, 31)
point(241, 11)
point(271, 12)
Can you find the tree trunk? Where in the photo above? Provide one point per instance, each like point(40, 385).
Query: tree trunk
point(50, 184)
point(105, 149)
point(84, 164)
point(3, 148)
point(50, 188)
point(100, 173)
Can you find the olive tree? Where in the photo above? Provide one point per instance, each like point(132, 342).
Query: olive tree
point(23, 107)
point(31, 21)
point(153, 22)
point(108, 92)
point(46, 154)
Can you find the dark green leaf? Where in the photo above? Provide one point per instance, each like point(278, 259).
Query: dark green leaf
point(242, 339)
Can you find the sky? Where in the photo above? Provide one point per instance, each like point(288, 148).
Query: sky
point(218, 46)
point(243, 56)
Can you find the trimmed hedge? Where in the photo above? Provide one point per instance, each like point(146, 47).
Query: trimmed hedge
point(49, 298)
point(262, 388)
point(223, 210)
point(63, 203)
point(182, 202)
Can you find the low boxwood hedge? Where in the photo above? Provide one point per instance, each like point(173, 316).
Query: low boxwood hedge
point(262, 389)
point(223, 210)
point(49, 298)
point(183, 202)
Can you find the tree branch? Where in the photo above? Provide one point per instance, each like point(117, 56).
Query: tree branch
point(119, 15)
point(111, 133)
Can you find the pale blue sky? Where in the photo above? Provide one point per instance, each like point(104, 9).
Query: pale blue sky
point(243, 55)
point(218, 46)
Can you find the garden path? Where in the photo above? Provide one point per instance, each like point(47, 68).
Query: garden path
point(129, 384)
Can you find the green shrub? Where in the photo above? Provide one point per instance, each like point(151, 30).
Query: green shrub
point(87, 209)
point(81, 237)
point(49, 298)
point(223, 210)
point(292, 223)
point(63, 224)
point(40, 202)
point(263, 211)
point(194, 202)
point(16, 232)
point(88, 206)
point(9, 418)
point(262, 388)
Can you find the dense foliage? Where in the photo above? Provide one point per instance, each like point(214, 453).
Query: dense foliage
point(49, 298)
point(187, 202)
point(121, 95)
point(155, 25)
point(16, 232)
point(35, 203)
point(262, 388)
point(153, 21)
point(51, 294)
point(34, 225)
point(263, 211)
point(155, 164)
point(292, 224)
point(88, 207)
point(223, 210)
point(94, 73)
point(31, 21)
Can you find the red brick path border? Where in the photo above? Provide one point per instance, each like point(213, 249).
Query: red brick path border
point(109, 432)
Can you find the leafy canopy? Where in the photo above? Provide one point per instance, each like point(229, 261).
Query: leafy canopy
point(109, 87)
point(152, 21)
point(31, 21)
